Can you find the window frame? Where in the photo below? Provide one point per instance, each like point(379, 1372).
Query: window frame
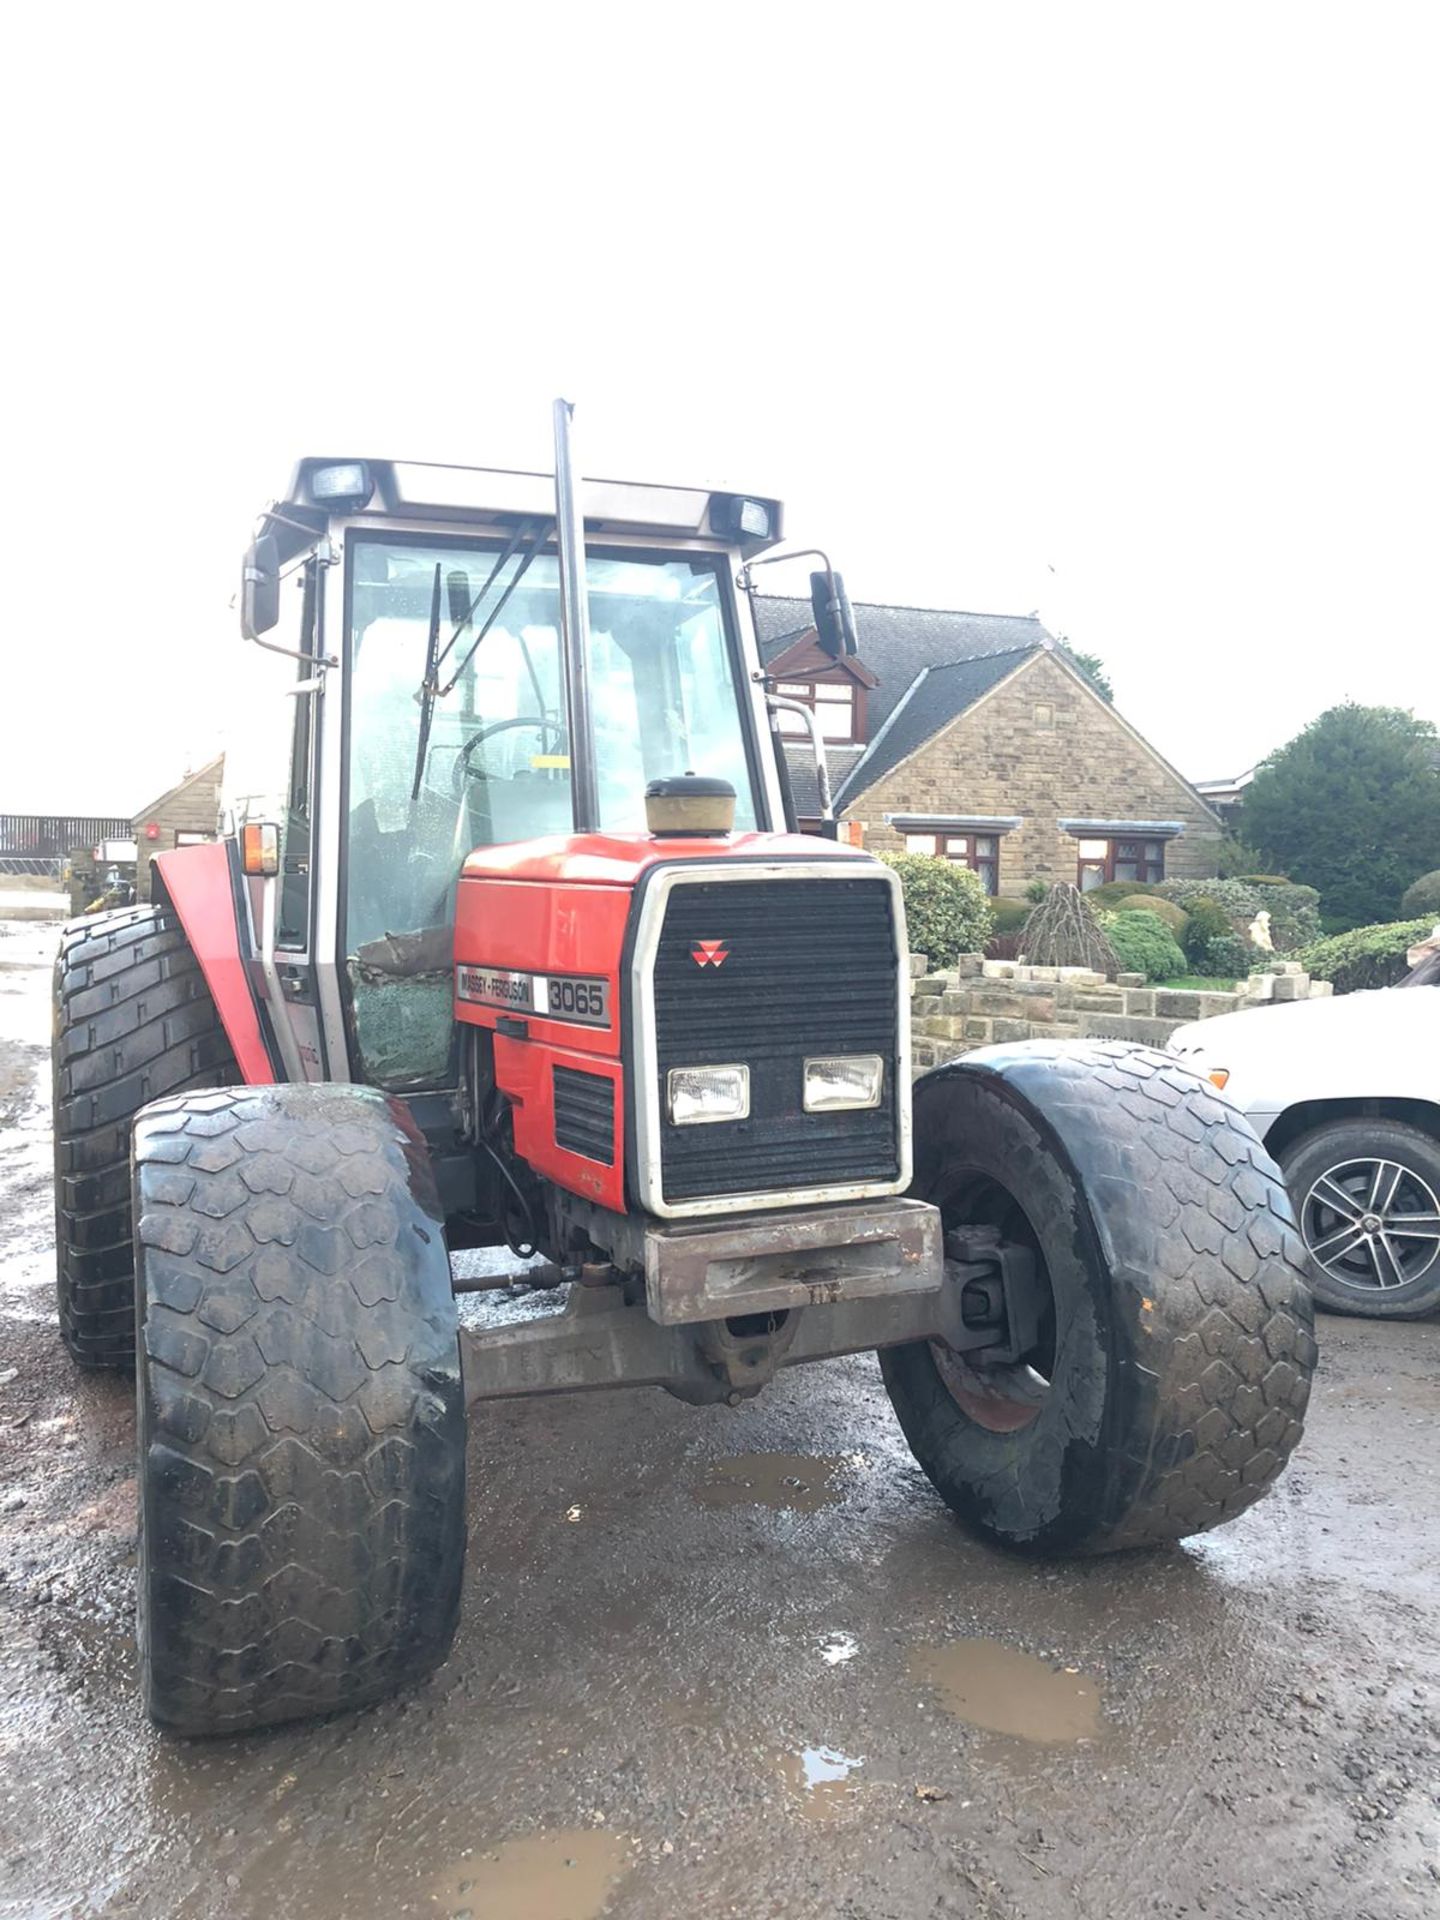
point(802, 689)
point(977, 862)
point(1149, 872)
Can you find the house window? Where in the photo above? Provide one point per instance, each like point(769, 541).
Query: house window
point(978, 851)
point(832, 702)
point(1105, 860)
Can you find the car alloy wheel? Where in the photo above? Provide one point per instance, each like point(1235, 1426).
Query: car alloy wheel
point(1372, 1223)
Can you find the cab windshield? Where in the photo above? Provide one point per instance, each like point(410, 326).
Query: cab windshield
point(493, 764)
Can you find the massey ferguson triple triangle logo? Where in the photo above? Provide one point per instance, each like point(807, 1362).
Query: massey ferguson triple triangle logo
point(709, 953)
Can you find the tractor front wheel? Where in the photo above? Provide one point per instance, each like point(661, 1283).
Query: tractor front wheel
point(301, 1421)
point(1170, 1367)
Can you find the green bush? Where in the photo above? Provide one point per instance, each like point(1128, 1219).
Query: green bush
point(1422, 896)
point(1008, 916)
point(1107, 899)
point(1209, 922)
point(1224, 956)
point(1293, 910)
point(946, 909)
point(1036, 891)
point(1175, 917)
point(1265, 879)
point(1144, 944)
point(1365, 956)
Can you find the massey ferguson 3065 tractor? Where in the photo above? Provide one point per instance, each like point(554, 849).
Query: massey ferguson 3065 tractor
point(519, 947)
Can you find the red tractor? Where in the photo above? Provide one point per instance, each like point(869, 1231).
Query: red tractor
point(518, 947)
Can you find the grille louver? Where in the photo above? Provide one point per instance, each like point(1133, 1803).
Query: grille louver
point(810, 968)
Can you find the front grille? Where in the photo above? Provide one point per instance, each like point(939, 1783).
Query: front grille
point(810, 967)
point(585, 1114)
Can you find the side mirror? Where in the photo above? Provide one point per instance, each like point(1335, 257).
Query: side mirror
point(260, 588)
point(834, 621)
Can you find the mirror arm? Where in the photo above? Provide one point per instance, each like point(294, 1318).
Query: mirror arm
point(817, 747)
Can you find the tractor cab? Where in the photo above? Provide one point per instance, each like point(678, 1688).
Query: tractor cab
point(433, 716)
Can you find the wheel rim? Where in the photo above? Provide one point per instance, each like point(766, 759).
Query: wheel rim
point(1372, 1224)
point(1002, 1399)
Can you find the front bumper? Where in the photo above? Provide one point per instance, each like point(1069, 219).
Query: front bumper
point(803, 1257)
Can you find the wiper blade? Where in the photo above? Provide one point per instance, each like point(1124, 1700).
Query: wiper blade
point(427, 686)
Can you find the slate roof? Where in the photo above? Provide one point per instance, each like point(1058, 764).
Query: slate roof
point(897, 643)
point(803, 784)
point(931, 666)
point(935, 697)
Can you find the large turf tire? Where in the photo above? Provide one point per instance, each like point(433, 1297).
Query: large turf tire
point(133, 1019)
point(1351, 1146)
point(1180, 1351)
point(301, 1421)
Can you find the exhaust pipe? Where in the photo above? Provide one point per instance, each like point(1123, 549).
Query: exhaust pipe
point(574, 627)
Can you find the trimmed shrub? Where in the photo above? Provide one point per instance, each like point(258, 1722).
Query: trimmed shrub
point(1225, 956)
point(1036, 891)
point(1008, 916)
point(1209, 923)
point(947, 912)
point(1175, 917)
point(1366, 956)
point(1422, 896)
point(1107, 899)
point(1144, 944)
point(1293, 910)
point(1265, 879)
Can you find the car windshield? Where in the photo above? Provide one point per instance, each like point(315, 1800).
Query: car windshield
point(489, 762)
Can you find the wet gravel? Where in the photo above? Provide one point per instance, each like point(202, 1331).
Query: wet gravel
point(708, 1665)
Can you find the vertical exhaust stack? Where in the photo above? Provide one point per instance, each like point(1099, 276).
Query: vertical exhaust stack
point(574, 627)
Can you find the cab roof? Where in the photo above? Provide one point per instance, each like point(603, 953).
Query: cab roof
point(498, 496)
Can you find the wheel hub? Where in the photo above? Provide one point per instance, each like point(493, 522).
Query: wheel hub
point(1372, 1223)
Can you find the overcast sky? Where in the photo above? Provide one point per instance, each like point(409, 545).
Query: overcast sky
point(1124, 314)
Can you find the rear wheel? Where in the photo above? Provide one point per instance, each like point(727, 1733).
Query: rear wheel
point(301, 1421)
point(1167, 1377)
point(133, 1019)
point(1367, 1194)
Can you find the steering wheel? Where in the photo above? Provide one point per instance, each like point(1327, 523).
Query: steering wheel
point(463, 770)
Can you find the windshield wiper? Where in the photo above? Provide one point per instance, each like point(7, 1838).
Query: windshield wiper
point(426, 695)
point(430, 690)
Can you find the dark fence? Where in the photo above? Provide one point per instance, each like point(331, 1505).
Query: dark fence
point(48, 836)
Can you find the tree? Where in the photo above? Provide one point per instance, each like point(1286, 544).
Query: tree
point(1351, 806)
point(1093, 668)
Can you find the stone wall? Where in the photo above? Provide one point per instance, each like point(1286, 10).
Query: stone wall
point(1044, 746)
point(983, 1001)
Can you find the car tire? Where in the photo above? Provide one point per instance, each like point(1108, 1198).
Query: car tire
point(1348, 1152)
point(301, 1420)
point(1178, 1352)
point(133, 1019)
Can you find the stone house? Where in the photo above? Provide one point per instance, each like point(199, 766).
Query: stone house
point(182, 816)
point(973, 736)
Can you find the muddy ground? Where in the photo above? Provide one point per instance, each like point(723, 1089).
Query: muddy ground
point(726, 1663)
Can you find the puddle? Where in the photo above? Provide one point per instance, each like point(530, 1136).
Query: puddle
point(995, 1687)
point(785, 1482)
point(566, 1875)
point(837, 1648)
point(819, 1779)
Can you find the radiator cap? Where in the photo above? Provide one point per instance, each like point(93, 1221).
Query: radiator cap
point(684, 805)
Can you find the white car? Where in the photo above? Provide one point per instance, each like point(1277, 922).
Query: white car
point(1345, 1093)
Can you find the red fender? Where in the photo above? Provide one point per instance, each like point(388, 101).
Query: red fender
point(197, 883)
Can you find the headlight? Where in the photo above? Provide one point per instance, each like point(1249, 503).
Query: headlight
point(696, 1095)
point(845, 1081)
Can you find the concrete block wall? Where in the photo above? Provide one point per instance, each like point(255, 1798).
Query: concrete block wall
point(980, 1002)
